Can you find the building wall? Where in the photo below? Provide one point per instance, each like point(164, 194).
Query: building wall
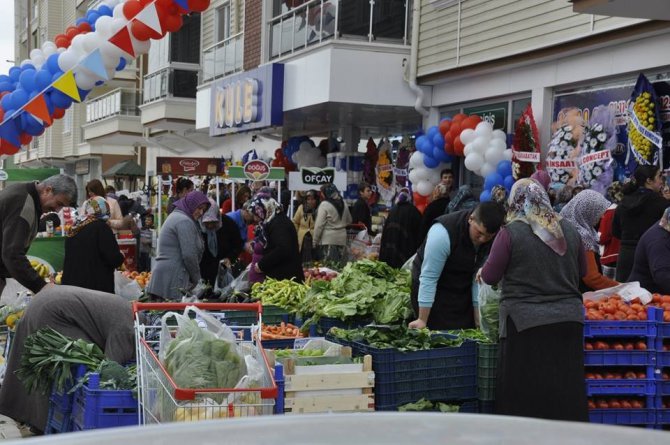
point(253, 14)
point(477, 31)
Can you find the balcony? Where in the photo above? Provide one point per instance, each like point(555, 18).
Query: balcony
point(315, 21)
point(113, 118)
point(169, 97)
point(641, 9)
point(223, 58)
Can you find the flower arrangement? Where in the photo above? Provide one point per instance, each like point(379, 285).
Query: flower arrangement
point(560, 163)
point(595, 170)
point(525, 139)
point(644, 139)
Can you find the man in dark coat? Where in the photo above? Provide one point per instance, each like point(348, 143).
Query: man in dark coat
point(400, 239)
point(360, 212)
point(21, 206)
point(96, 317)
point(652, 257)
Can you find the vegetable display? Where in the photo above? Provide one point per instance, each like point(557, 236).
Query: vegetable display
point(280, 332)
point(403, 339)
point(286, 294)
point(427, 405)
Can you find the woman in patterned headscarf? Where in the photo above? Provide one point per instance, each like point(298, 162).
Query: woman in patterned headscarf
point(330, 226)
point(652, 258)
point(91, 251)
point(584, 211)
point(538, 257)
point(275, 232)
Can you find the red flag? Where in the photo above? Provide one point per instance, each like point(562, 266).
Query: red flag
point(38, 108)
point(122, 40)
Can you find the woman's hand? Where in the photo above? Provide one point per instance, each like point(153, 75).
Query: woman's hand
point(417, 324)
point(257, 269)
point(478, 276)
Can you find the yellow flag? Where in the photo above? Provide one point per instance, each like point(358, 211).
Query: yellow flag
point(66, 85)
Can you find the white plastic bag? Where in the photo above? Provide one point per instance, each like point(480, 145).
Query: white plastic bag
point(627, 291)
point(125, 287)
point(489, 308)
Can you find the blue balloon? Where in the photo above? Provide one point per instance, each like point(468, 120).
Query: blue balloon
point(432, 131)
point(121, 65)
point(28, 66)
point(60, 100)
point(83, 93)
point(423, 144)
point(56, 76)
point(50, 105)
point(493, 179)
point(105, 10)
point(29, 124)
point(7, 103)
point(5, 78)
point(19, 97)
point(440, 155)
point(52, 63)
point(92, 16)
point(27, 80)
point(430, 162)
point(504, 168)
point(14, 73)
point(485, 196)
point(438, 141)
point(509, 182)
point(42, 79)
point(6, 86)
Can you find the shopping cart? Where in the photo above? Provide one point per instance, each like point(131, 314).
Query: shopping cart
point(160, 400)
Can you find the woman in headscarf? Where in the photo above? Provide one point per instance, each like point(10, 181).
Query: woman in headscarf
point(257, 208)
point(330, 227)
point(652, 258)
point(464, 200)
point(281, 257)
point(563, 196)
point(180, 248)
point(543, 178)
point(303, 220)
point(584, 211)
point(436, 208)
point(91, 251)
point(540, 259)
point(610, 243)
point(222, 242)
point(400, 239)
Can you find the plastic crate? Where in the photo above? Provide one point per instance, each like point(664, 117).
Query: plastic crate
point(287, 343)
point(486, 407)
point(641, 387)
point(487, 368)
point(435, 374)
point(663, 330)
point(58, 421)
point(95, 408)
point(620, 358)
point(663, 387)
point(271, 315)
point(663, 417)
point(338, 340)
point(325, 323)
point(663, 358)
point(642, 416)
point(625, 328)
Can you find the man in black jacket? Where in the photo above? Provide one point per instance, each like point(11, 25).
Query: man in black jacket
point(360, 212)
point(21, 206)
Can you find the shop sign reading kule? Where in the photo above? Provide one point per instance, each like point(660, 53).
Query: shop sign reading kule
point(256, 170)
point(317, 176)
point(237, 103)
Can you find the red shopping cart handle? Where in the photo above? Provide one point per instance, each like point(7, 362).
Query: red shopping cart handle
point(255, 307)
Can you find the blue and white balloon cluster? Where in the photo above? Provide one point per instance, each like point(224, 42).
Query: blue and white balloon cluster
point(431, 145)
point(502, 176)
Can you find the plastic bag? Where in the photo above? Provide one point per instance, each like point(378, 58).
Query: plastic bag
point(125, 287)
point(489, 308)
point(238, 285)
point(224, 277)
point(627, 291)
point(359, 246)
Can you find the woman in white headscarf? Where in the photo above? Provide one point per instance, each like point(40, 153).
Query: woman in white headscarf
point(222, 242)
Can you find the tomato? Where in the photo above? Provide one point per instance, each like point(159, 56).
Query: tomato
point(636, 404)
point(629, 346)
point(602, 404)
point(625, 404)
point(632, 317)
point(615, 404)
point(609, 376)
point(615, 297)
point(641, 375)
point(588, 346)
point(598, 376)
point(617, 346)
point(591, 404)
point(665, 299)
point(617, 375)
point(666, 376)
point(642, 346)
point(589, 375)
point(588, 304)
point(636, 300)
point(656, 298)
point(630, 375)
point(636, 307)
point(601, 345)
point(666, 316)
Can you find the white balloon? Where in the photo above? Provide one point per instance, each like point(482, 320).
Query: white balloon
point(103, 26)
point(480, 144)
point(486, 169)
point(424, 188)
point(117, 13)
point(61, 50)
point(498, 143)
point(35, 52)
point(414, 176)
point(474, 162)
point(141, 47)
point(110, 54)
point(484, 129)
point(48, 48)
point(38, 61)
point(78, 42)
point(416, 160)
point(67, 60)
point(468, 135)
point(497, 134)
point(26, 62)
point(507, 154)
point(468, 149)
point(92, 41)
point(433, 176)
point(84, 80)
point(494, 155)
point(424, 174)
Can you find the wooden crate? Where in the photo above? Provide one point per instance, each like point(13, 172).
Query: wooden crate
point(329, 388)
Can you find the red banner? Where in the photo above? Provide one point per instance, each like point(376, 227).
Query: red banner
point(189, 166)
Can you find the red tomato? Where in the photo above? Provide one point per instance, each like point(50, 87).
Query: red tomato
point(636, 404)
point(589, 375)
point(630, 375)
point(641, 375)
point(666, 376)
point(601, 345)
point(592, 404)
point(602, 404)
point(617, 346)
point(642, 346)
point(629, 346)
point(588, 346)
point(614, 404)
point(625, 404)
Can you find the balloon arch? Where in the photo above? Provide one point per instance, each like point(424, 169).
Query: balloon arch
point(87, 54)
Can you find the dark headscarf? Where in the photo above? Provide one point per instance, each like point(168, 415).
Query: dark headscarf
point(192, 201)
point(333, 196)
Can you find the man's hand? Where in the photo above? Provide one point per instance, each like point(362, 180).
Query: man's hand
point(417, 324)
point(478, 276)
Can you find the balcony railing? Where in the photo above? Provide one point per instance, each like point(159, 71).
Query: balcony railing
point(223, 58)
point(122, 101)
point(317, 20)
point(171, 82)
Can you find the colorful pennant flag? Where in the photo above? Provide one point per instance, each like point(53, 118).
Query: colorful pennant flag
point(67, 85)
point(93, 62)
point(149, 16)
point(38, 108)
point(182, 3)
point(123, 41)
point(9, 132)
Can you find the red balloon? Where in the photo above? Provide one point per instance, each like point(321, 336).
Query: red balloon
point(84, 27)
point(173, 23)
point(145, 2)
point(62, 41)
point(459, 117)
point(458, 146)
point(444, 127)
point(142, 32)
point(2, 115)
point(455, 129)
point(131, 8)
point(449, 138)
point(7, 148)
point(449, 148)
point(470, 122)
point(71, 32)
point(58, 113)
point(25, 138)
point(170, 7)
point(198, 5)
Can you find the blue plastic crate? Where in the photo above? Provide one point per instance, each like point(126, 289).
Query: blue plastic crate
point(624, 328)
point(486, 406)
point(663, 330)
point(644, 416)
point(325, 323)
point(280, 380)
point(620, 358)
point(663, 417)
point(338, 340)
point(663, 387)
point(279, 344)
point(663, 358)
point(58, 421)
point(95, 408)
point(641, 387)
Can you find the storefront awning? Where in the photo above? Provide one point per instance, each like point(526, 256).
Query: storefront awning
point(125, 168)
point(30, 174)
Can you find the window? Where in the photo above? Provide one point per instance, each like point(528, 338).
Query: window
point(67, 122)
point(223, 22)
point(185, 44)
